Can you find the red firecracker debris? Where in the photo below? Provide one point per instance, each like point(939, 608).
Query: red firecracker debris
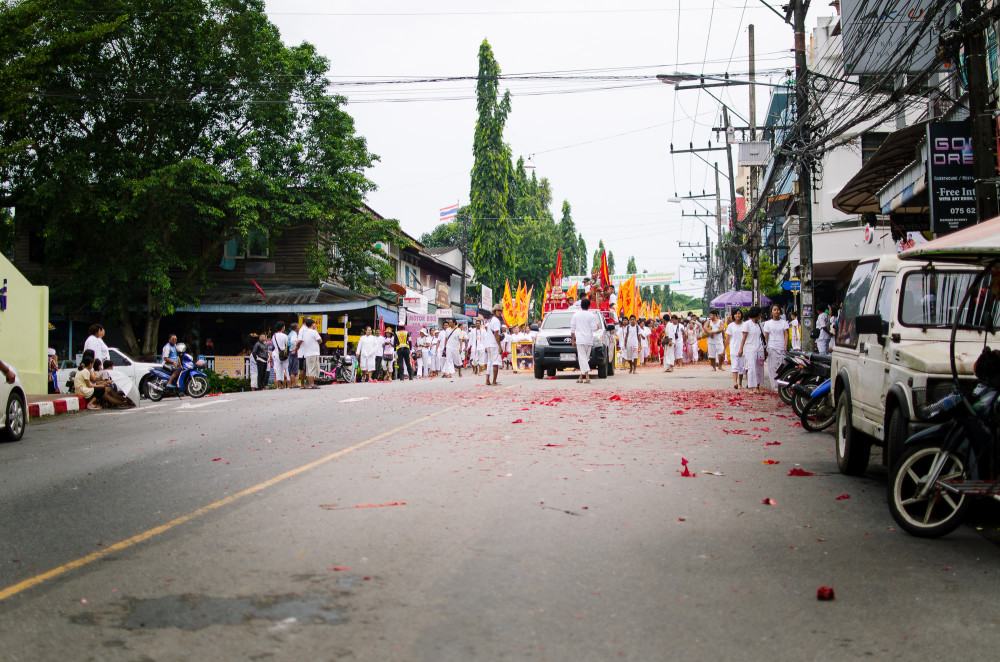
point(772, 443)
point(757, 420)
point(843, 496)
point(517, 421)
point(615, 398)
point(772, 461)
point(825, 593)
point(769, 502)
point(800, 472)
point(686, 473)
point(678, 412)
point(216, 459)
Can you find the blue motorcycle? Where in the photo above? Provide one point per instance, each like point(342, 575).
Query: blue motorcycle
point(819, 412)
point(191, 381)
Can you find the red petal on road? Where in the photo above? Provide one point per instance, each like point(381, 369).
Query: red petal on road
point(796, 424)
point(216, 459)
point(340, 568)
point(800, 472)
point(825, 593)
point(686, 473)
point(769, 502)
point(517, 421)
point(772, 443)
point(679, 411)
point(772, 461)
point(757, 420)
point(616, 398)
point(843, 496)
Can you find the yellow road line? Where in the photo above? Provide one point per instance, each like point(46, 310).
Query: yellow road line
point(155, 531)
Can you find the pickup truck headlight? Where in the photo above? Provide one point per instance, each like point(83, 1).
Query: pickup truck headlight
point(541, 341)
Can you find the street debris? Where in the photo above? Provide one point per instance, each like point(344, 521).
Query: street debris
point(825, 593)
point(768, 501)
point(800, 472)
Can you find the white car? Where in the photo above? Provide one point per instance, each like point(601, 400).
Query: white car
point(137, 370)
point(15, 408)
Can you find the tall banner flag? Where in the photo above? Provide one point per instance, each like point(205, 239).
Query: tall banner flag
point(571, 292)
point(558, 274)
point(448, 213)
point(605, 276)
point(508, 304)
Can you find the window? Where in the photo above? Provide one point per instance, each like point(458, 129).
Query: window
point(884, 308)
point(557, 320)
point(932, 298)
point(854, 303)
point(870, 142)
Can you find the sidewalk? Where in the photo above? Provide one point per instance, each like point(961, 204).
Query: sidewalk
point(47, 405)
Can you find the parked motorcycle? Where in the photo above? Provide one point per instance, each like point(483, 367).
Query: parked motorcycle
point(802, 368)
point(192, 381)
point(819, 412)
point(342, 371)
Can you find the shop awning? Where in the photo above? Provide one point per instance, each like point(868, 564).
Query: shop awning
point(898, 151)
point(287, 300)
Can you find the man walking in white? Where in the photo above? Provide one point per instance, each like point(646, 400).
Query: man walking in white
point(630, 343)
point(308, 347)
point(669, 334)
point(493, 359)
point(279, 343)
point(582, 328)
point(823, 324)
point(776, 339)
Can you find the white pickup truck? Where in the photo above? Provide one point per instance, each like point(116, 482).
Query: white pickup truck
point(137, 370)
point(891, 355)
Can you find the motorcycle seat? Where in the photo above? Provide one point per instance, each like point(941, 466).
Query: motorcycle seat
point(820, 358)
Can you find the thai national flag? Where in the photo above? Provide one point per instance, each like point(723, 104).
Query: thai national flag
point(449, 213)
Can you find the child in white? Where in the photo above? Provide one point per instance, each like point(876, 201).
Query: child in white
point(734, 336)
point(752, 348)
point(795, 331)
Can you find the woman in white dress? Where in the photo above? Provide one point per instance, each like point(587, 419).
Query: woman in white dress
point(716, 348)
point(752, 348)
point(369, 347)
point(776, 339)
point(734, 337)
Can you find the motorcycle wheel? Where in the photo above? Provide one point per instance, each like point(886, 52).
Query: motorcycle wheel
point(345, 375)
point(940, 512)
point(154, 390)
point(197, 386)
point(784, 392)
point(819, 414)
point(800, 401)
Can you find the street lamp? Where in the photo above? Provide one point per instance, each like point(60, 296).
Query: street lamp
point(529, 166)
point(675, 78)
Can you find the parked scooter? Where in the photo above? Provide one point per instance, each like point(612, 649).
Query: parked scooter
point(800, 367)
point(801, 384)
point(819, 412)
point(343, 371)
point(191, 381)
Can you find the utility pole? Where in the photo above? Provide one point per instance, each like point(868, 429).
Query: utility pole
point(738, 255)
point(723, 287)
point(799, 8)
point(750, 194)
point(709, 289)
point(753, 89)
point(984, 156)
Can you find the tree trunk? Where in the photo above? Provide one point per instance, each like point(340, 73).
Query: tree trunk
point(153, 316)
point(128, 332)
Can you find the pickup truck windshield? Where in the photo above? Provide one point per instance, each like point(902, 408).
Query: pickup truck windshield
point(932, 298)
point(558, 320)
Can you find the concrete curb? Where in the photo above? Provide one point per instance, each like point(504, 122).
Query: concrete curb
point(59, 406)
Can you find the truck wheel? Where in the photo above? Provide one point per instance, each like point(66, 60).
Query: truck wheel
point(602, 370)
point(895, 437)
point(539, 371)
point(611, 363)
point(853, 447)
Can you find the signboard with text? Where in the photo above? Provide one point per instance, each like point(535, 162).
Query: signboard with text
point(487, 298)
point(950, 180)
point(471, 309)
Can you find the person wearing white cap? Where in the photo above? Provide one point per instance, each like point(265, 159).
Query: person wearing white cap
point(493, 360)
point(423, 365)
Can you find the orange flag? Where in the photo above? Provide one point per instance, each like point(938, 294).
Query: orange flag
point(605, 276)
point(571, 292)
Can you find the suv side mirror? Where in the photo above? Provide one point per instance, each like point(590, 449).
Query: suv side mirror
point(534, 327)
point(872, 324)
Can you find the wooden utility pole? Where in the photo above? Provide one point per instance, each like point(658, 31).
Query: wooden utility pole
point(755, 227)
point(799, 8)
point(737, 253)
point(723, 285)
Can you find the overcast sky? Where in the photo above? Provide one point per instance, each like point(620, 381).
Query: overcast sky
point(605, 150)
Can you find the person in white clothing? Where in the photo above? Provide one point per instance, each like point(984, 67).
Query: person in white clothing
point(533, 334)
point(669, 331)
point(423, 357)
point(293, 358)
point(630, 344)
point(794, 331)
point(644, 334)
point(493, 330)
point(583, 327)
point(823, 324)
point(95, 343)
point(505, 346)
point(279, 348)
point(452, 350)
point(477, 346)
point(369, 347)
point(776, 339)
point(679, 344)
point(715, 329)
point(734, 338)
point(752, 348)
point(308, 346)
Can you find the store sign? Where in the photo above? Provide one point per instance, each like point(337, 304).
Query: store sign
point(486, 301)
point(877, 32)
point(445, 313)
point(416, 303)
point(471, 309)
point(443, 298)
point(950, 180)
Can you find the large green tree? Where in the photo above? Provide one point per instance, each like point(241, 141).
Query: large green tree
point(582, 254)
point(630, 267)
point(536, 230)
point(188, 127)
point(492, 238)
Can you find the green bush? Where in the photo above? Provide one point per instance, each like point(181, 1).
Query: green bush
point(223, 384)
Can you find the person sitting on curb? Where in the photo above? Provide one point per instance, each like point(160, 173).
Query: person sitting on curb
point(95, 393)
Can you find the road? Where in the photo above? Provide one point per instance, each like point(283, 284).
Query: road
point(448, 520)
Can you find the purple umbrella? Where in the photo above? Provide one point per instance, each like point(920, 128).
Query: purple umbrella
point(740, 298)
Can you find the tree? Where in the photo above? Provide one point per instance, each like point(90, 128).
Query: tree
point(568, 241)
point(582, 254)
point(155, 139)
point(769, 285)
point(630, 268)
point(611, 263)
point(597, 257)
point(448, 233)
point(491, 235)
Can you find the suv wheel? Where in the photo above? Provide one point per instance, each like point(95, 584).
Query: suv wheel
point(16, 416)
point(895, 437)
point(602, 370)
point(853, 447)
point(539, 371)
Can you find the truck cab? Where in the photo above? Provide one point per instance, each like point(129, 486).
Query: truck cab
point(891, 352)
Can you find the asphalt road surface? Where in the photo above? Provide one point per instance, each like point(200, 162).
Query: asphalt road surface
point(447, 520)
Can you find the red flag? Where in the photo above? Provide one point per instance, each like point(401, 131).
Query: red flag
point(558, 280)
point(381, 326)
point(604, 277)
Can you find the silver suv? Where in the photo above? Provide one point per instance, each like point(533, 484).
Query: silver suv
point(891, 356)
